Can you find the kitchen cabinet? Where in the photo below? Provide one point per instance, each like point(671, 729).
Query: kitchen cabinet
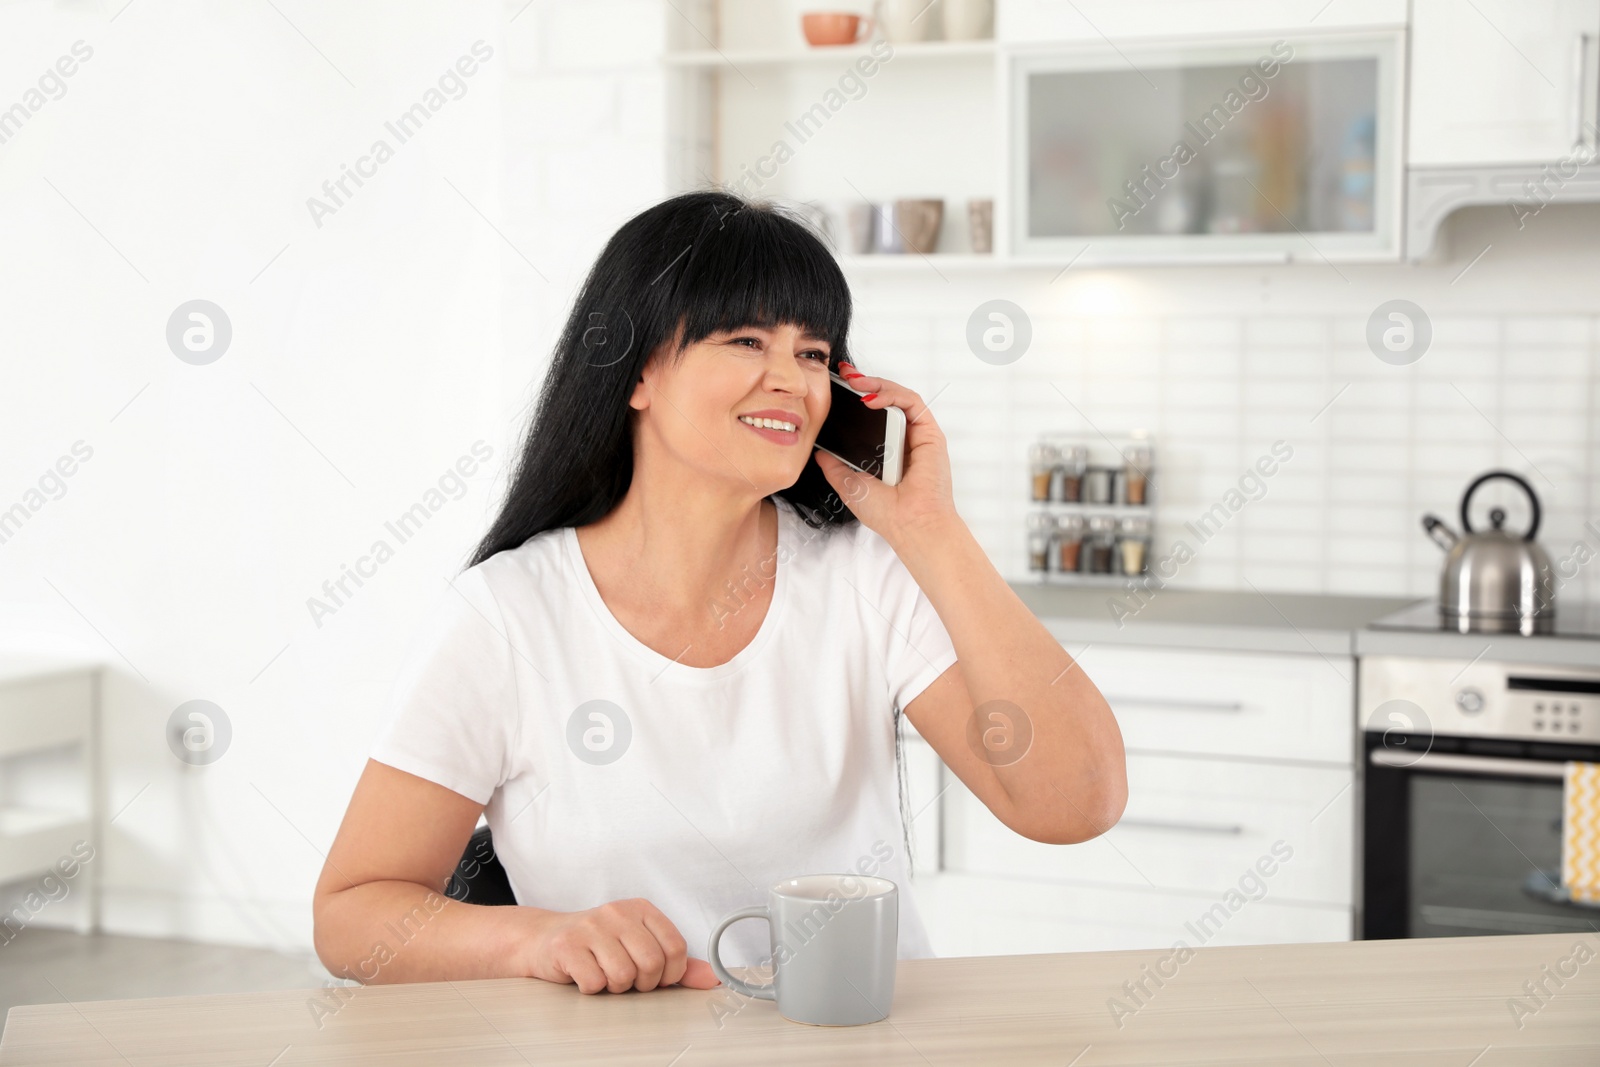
point(1065, 121)
point(1241, 809)
point(1194, 825)
point(1266, 149)
point(1505, 97)
point(1283, 707)
point(1388, 117)
point(972, 915)
point(1502, 81)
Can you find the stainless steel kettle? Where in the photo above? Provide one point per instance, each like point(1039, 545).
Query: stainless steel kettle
point(1494, 581)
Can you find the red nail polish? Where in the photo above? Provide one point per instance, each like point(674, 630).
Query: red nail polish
point(869, 396)
point(853, 377)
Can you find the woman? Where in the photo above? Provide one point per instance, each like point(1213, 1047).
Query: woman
point(673, 675)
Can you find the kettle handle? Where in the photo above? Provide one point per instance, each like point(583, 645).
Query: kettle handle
point(1466, 499)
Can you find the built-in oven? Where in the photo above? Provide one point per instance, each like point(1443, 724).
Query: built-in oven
point(1463, 766)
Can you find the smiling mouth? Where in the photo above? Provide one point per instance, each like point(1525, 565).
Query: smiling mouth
point(779, 425)
point(772, 431)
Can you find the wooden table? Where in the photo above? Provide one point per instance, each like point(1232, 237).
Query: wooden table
point(1451, 1002)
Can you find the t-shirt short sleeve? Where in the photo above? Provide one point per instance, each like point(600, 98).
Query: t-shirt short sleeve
point(917, 645)
point(452, 714)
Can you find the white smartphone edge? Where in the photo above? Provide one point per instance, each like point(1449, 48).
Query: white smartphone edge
point(893, 444)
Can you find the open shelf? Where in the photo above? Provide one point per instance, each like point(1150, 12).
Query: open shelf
point(827, 53)
point(891, 262)
point(33, 839)
point(906, 261)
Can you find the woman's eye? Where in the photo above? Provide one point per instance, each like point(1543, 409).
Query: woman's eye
point(821, 357)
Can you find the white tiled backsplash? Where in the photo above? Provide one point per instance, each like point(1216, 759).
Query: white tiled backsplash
point(1374, 446)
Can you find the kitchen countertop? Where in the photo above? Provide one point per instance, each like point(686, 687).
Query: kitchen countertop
point(1432, 1001)
point(1274, 622)
point(1215, 619)
point(1507, 648)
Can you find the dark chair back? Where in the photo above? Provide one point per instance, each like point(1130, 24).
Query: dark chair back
point(479, 878)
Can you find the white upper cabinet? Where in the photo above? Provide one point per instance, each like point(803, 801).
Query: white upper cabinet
point(1039, 21)
point(1497, 82)
point(1266, 147)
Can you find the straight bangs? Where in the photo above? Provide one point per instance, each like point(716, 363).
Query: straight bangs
point(755, 267)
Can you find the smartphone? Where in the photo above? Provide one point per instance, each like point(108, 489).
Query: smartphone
point(872, 440)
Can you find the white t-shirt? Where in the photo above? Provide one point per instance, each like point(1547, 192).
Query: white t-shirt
point(611, 771)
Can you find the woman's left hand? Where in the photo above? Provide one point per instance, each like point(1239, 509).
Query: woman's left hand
point(923, 498)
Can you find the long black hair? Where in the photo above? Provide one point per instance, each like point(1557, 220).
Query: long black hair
point(702, 262)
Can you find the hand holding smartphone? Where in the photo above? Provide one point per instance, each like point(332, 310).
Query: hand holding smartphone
point(871, 440)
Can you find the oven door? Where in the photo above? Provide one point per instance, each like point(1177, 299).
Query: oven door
point(1462, 836)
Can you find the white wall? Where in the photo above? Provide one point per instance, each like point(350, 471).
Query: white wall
point(368, 354)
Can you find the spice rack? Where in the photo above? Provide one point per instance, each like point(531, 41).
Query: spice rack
point(1092, 514)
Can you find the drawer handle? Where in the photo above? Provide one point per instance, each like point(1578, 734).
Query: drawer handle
point(1190, 827)
point(1178, 705)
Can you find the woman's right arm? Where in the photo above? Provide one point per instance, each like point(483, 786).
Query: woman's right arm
point(380, 914)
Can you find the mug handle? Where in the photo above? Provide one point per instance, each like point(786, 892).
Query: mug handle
point(761, 992)
point(865, 27)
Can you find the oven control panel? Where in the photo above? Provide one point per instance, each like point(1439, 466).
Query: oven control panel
point(1479, 698)
point(1568, 716)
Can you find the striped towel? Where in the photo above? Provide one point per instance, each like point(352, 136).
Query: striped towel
point(1580, 832)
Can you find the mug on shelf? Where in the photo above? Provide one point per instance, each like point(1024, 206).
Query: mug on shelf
point(906, 20)
point(968, 20)
point(824, 28)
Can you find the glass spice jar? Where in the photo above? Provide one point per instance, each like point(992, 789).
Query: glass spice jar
point(1069, 543)
point(1097, 485)
point(1133, 544)
point(1074, 461)
point(1041, 527)
point(1042, 461)
point(1137, 473)
point(1098, 547)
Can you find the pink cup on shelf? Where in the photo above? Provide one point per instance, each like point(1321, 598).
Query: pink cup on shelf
point(834, 27)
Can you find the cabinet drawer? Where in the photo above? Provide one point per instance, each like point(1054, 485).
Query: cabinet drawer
point(968, 915)
point(1228, 703)
point(1193, 824)
point(44, 712)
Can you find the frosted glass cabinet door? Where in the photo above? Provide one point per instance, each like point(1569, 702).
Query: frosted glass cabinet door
point(1283, 149)
point(1502, 81)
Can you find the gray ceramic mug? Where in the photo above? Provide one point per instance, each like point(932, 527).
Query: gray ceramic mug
point(834, 941)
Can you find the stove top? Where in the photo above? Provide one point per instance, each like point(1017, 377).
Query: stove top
point(1575, 620)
